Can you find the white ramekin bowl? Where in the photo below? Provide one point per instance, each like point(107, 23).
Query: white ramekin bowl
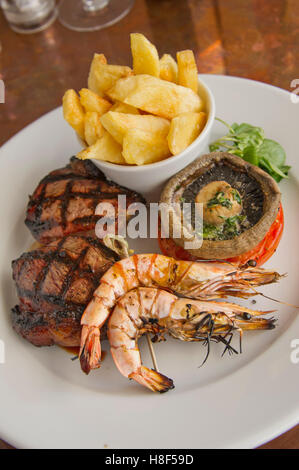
point(149, 179)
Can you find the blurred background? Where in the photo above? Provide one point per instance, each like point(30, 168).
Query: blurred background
point(257, 39)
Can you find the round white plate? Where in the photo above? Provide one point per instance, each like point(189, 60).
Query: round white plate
point(231, 402)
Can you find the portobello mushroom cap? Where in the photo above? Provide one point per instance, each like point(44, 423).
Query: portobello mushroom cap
point(260, 202)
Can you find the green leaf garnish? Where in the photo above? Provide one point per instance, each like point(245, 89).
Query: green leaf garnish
point(249, 142)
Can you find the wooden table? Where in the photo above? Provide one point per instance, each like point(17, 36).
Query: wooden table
point(257, 39)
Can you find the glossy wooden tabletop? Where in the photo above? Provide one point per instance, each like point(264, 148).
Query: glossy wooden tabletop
point(257, 39)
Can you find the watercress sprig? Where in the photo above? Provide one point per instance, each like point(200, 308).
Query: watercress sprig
point(249, 142)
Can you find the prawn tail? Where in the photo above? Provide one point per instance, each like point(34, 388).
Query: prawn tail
point(152, 379)
point(90, 348)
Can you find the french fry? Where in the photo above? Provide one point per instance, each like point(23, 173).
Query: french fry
point(93, 128)
point(156, 96)
point(123, 87)
point(145, 56)
point(103, 76)
point(117, 124)
point(105, 149)
point(93, 102)
point(107, 75)
point(73, 112)
point(187, 70)
point(143, 147)
point(184, 129)
point(119, 107)
point(92, 80)
point(168, 68)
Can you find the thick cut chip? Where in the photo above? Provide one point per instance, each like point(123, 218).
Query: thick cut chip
point(93, 128)
point(103, 76)
point(73, 112)
point(92, 80)
point(143, 147)
point(119, 123)
point(184, 129)
point(93, 102)
point(119, 107)
point(168, 68)
point(156, 96)
point(145, 56)
point(107, 75)
point(123, 88)
point(187, 70)
point(106, 149)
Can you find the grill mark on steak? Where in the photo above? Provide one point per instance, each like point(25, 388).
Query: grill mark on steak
point(65, 202)
point(51, 314)
point(55, 211)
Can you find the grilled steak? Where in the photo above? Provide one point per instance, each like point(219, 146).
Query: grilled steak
point(54, 284)
point(64, 202)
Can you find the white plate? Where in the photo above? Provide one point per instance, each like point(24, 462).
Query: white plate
point(238, 401)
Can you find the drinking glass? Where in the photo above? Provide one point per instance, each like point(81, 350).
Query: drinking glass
point(29, 16)
point(91, 15)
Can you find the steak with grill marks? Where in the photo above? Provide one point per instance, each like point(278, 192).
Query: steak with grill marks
point(65, 200)
point(54, 285)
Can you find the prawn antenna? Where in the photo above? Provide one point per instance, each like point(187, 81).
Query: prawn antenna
point(270, 298)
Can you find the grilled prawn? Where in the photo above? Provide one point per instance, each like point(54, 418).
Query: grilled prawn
point(198, 280)
point(158, 311)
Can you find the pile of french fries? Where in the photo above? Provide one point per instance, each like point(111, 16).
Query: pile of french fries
point(141, 115)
